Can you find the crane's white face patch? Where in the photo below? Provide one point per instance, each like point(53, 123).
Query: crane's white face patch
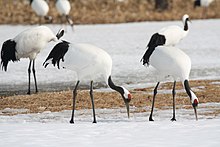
point(127, 94)
point(194, 99)
point(185, 17)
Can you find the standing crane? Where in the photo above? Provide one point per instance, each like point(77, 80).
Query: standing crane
point(167, 36)
point(28, 44)
point(172, 61)
point(41, 8)
point(63, 7)
point(203, 3)
point(87, 61)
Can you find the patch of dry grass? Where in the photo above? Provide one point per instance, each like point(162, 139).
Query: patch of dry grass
point(206, 91)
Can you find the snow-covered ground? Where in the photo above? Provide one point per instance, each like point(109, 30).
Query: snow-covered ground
point(126, 44)
point(112, 129)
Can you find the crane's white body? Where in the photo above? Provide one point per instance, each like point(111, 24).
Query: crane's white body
point(63, 7)
point(171, 61)
point(40, 7)
point(206, 3)
point(88, 61)
point(31, 41)
point(173, 34)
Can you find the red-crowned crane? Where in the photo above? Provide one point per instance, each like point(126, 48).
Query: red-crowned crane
point(41, 8)
point(203, 3)
point(167, 36)
point(87, 61)
point(28, 44)
point(172, 61)
point(63, 7)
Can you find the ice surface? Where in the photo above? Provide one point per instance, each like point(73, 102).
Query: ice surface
point(126, 44)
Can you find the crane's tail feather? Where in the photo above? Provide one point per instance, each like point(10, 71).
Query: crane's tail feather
point(57, 53)
point(8, 53)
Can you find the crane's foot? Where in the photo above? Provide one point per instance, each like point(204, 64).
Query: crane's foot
point(71, 121)
point(94, 121)
point(29, 93)
point(150, 118)
point(173, 119)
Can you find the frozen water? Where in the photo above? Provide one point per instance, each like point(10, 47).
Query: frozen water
point(126, 44)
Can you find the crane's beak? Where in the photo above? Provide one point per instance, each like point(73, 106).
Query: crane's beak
point(190, 21)
point(71, 23)
point(127, 106)
point(195, 110)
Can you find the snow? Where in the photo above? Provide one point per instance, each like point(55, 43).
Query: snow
point(112, 129)
point(126, 44)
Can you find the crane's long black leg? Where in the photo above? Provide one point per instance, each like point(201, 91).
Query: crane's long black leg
point(35, 79)
point(93, 106)
point(29, 78)
point(74, 102)
point(174, 93)
point(152, 109)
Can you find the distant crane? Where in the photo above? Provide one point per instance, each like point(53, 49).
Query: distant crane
point(63, 7)
point(27, 44)
point(203, 3)
point(87, 61)
point(171, 61)
point(168, 36)
point(41, 8)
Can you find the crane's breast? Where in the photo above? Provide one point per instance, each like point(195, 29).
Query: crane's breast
point(171, 61)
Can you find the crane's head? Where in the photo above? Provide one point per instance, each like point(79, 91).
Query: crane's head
point(195, 102)
point(186, 18)
point(126, 95)
point(192, 96)
point(60, 33)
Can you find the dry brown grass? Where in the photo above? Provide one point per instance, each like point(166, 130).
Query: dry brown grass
point(57, 101)
point(106, 11)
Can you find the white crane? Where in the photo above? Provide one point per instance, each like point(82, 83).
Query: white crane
point(87, 61)
point(171, 61)
point(27, 44)
point(203, 3)
point(63, 7)
point(41, 8)
point(168, 36)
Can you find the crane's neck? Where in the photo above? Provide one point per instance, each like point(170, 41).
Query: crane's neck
point(114, 87)
point(190, 93)
point(31, 1)
point(186, 25)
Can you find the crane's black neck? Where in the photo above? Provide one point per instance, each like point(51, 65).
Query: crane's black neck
point(155, 40)
point(114, 87)
point(31, 1)
point(186, 26)
point(187, 87)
